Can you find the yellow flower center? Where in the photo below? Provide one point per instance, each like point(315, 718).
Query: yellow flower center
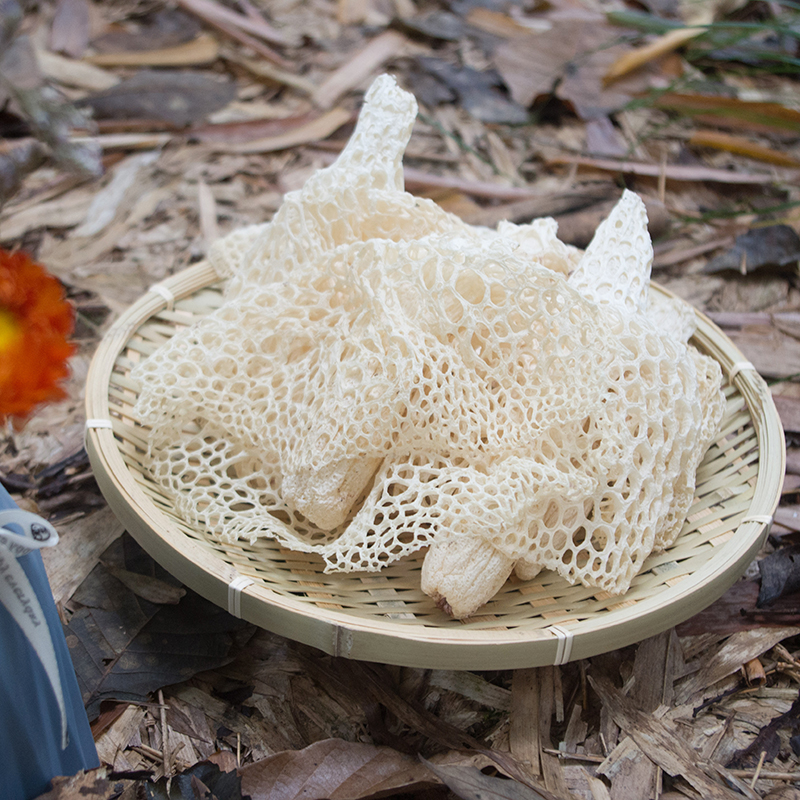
point(10, 330)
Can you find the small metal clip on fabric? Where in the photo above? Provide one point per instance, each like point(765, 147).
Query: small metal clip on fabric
point(235, 588)
point(564, 648)
point(160, 289)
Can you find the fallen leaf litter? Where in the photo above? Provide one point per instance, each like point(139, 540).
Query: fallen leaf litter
point(284, 711)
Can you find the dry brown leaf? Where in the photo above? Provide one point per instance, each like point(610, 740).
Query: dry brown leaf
point(273, 74)
point(780, 576)
point(737, 649)
point(350, 12)
point(774, 354)
point(19, 68)
point(435, 25)
point(759, 117)
point(69, 31)
point(178, 97)
point(159, 28)
point(767, 744)
point(742, 147)
point(783, 792)
point(480, 94)
point(127, 141)
point(531, 65)
point(675, 172)
point(651, 51)
point(554, 204)
point(788, 517)
point(62, 212)
point(333, 770)
point(79, 548)
point(112, 742)
point(252, 23)
point(272, 730)
point(417, 180)
point(240, 132)
point(469, 783)
point(659, 740)
point(124, 647)
point(736, 610)
point(15, 164)
point(468, 684)
point(598, 788)
point(318, 128)
point(202, 50)
point(681, 253)
point(239, 28)
point(203, 780)
point(583, 87)
point(362, 65)
point(457, 203)
point(70, 72)
point(793, 461)
point(523, 735)
point(768, 246)
point(603, 139)
point(147, 587)
point(571, 59)
point(499, 24)
point(117, 195)
point(790, 485)
point(789, 412)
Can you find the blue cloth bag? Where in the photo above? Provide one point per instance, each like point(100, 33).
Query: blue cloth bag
point(41, 734)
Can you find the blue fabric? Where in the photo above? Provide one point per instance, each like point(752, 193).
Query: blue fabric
point(30, 725)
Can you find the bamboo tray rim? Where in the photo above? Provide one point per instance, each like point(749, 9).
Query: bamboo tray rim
point(423, 644)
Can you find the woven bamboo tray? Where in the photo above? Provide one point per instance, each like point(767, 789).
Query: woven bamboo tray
point(384, 616)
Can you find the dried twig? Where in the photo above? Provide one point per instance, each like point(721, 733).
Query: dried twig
point(165, 755)
point(673, 172)
point(238, 28)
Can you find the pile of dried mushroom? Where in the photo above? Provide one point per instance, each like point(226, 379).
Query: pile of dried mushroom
point(383, 377)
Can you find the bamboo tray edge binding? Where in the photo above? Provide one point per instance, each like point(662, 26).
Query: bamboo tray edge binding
point(529, 624)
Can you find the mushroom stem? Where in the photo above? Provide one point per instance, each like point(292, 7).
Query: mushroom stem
point(461, 573)
point(325, 496)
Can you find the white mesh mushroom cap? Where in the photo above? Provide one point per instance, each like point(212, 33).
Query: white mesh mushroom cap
point(382, 374)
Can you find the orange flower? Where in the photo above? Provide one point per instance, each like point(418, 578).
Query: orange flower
point(35, 323)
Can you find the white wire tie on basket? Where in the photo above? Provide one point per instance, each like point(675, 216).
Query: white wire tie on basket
point(235, 588)
point(764, 519)
point(564, 649)
point(738, 367)
point(97, 423)
point(93, 424)
point(160, 289)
